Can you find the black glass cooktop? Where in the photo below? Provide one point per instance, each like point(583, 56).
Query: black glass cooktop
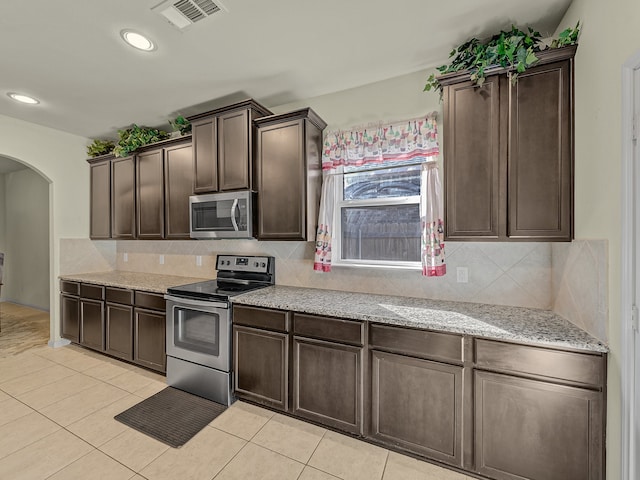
point(214, 289)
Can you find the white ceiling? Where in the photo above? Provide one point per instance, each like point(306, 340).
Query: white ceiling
point(69, 54)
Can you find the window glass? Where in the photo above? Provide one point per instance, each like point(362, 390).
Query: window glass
point(382, 183)
point(378, 216)
point(384, 233)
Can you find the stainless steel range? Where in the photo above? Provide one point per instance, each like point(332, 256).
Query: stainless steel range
point(199, 326)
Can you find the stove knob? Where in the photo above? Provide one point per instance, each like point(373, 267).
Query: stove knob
point(257, 264)
point(264, 264)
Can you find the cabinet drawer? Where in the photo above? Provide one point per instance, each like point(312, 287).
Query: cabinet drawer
point(119, 295)
point(277, 320)
point(153, 301)
point(572, 367)
point(95, 292)
point(332, 329)
point(72, 288)
point(421, 343)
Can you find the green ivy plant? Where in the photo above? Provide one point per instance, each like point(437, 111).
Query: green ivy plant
point(181, 124)
point(100, 147)
point(514, 50)
point(134, 137)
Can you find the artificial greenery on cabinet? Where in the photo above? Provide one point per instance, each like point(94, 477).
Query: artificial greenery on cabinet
point(100, 147)
point(134, 137)
point(514, 50)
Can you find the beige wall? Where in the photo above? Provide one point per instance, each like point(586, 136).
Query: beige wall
point(26, 239)
point(60, 158)
point(2, 226)
point(610, 36)
point(2, 209)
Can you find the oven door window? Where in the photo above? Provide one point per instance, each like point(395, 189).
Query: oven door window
point(197, 331)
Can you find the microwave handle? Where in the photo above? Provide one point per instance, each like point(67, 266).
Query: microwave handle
point(234, 209)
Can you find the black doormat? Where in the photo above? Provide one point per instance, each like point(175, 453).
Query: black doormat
point(171, 416)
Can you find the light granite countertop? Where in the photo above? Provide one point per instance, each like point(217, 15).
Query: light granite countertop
point(148, 282)
point(523, 325)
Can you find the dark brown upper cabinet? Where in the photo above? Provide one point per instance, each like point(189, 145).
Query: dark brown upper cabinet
point(289, 175)
point(205, 155)
point(178, 187)
point(100, 206)
point(223, 147)
point(164, 182)
point(508, 153)
point(123, 198)
point(150, 194)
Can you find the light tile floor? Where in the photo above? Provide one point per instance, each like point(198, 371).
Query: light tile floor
point(56, 422)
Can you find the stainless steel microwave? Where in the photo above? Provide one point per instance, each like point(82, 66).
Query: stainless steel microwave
point(222, 215)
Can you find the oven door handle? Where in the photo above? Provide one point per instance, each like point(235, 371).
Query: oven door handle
point(234, 209)
point(196, 303)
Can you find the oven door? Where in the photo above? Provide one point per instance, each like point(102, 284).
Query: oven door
point(199, 332)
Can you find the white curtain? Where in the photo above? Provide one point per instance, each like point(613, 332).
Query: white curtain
point(432, 223)
point(322, 262)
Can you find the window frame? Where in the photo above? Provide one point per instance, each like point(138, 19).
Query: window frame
point(336, 257)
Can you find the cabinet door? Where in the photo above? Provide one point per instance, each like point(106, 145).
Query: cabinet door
point(417, 404)
point(100, 200)
point(280, 178)
point(473, 153)
point(327, 383)
point(92, 324)
point(119, 331)
point(536, 430)
point(541, 154)
point(123, 198)
point(261, 366)
point(234, 150)
point(150, 339)
point(178, 187)
point(205, 155)
point(69, 315)
point(150, 195)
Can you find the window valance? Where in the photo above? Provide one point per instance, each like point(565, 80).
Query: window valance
point(393, 142)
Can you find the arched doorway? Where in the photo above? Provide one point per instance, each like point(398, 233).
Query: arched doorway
point(25, 234)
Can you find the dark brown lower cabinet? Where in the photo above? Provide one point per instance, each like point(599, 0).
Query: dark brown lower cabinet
point(92, 323)
point(537, 430)
point(119, 331)
point(261, 366)
point(149, 334)
point(70, 317)
point(327, 383)
point(416, 404)
point(127, 324)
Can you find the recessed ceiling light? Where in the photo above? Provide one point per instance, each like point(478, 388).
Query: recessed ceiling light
point(137, 40)
point(19, 97)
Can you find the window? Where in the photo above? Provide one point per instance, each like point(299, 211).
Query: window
point(381, 198)
point(377, 219)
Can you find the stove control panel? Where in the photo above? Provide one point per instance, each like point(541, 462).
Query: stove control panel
point(250, 263)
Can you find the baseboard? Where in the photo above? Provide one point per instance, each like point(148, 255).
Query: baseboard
point(58, 343)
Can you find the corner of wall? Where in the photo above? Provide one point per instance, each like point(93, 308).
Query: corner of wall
point(82, 255)
point(579, 284)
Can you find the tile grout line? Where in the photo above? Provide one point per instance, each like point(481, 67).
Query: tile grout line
point(231, 459)
point(386, 461)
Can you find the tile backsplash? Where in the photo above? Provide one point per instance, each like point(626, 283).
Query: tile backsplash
point(566, 278)
point(580, 284)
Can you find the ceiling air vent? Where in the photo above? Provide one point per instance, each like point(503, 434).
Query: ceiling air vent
point(184, 13)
